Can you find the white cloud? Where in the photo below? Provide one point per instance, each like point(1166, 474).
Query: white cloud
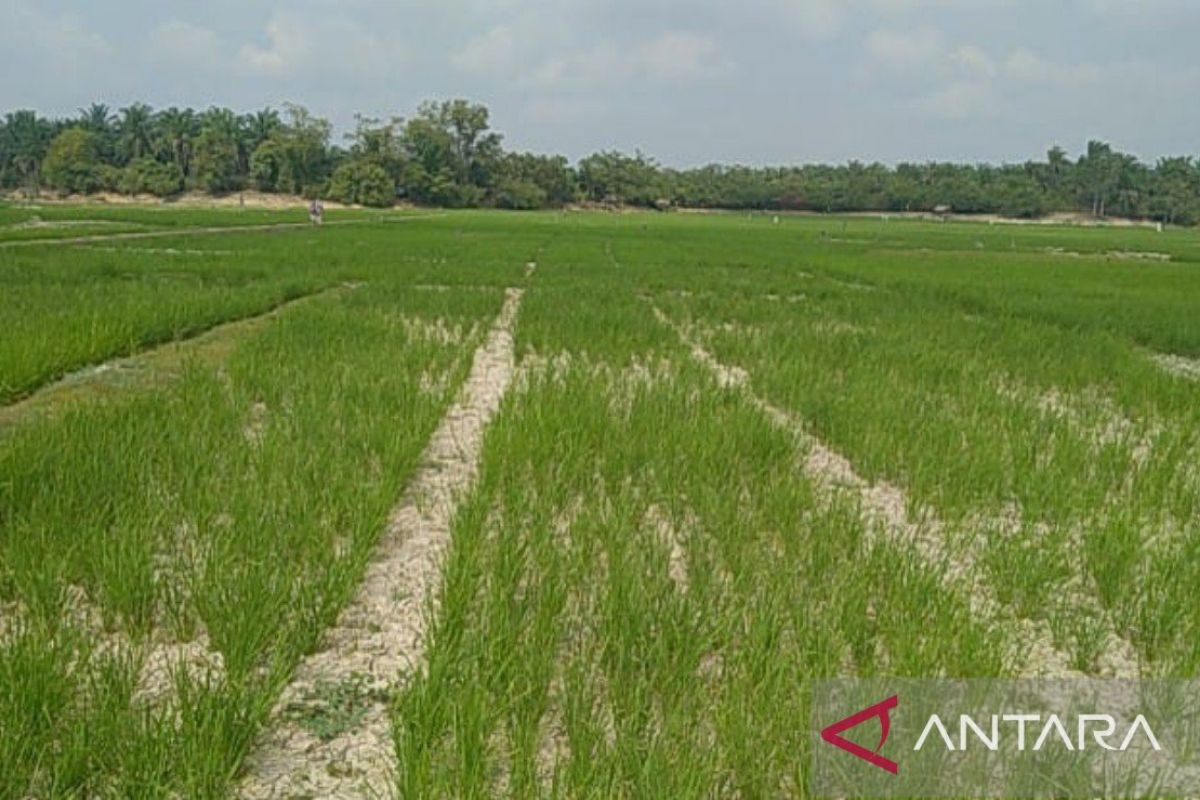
point(313, 45)
point(973, 61)
point(904, 50)
point(1024, 65)
point(65, 42)
point(674, 56)
point(814, 19)
point(961, 81)
point(961, 100)
point(680, 55)
point(495, 52)
point(557, 111)
point(178, 42)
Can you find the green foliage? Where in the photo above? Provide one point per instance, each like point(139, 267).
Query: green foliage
point(24, 138)
point(215, 162)
point(653, 566)
point(147, 176)
point(330, 709)
point(362, 182)
point(519, 194)
point(72, 163)
point(613, 177)
point(447, 155)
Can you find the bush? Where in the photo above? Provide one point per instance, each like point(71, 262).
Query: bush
point(72, 163)
point(147, 176)
point(519, 194)
point(363, 183)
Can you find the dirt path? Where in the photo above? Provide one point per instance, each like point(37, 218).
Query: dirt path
point(887, 508)
point(274, 226)
point(379, 637)
point(145, 366)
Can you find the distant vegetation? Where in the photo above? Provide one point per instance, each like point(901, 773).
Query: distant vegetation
point(447, 155)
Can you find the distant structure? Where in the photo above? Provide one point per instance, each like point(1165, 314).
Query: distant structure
point(942, 212)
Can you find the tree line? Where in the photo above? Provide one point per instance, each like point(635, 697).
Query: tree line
point(446, 154)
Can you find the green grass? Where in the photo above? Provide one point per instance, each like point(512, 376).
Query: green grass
point(644, 582)
point(236, 507)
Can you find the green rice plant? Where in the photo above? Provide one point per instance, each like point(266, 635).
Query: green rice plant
point(238, 505)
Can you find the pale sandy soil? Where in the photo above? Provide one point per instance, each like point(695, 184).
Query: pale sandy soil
point(379, 638)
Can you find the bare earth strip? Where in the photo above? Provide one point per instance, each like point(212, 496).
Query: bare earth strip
point(274, 226)
point(148, 365)
point(379, 638)
point(887, 507)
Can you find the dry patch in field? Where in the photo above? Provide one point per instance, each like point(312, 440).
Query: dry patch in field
point(1093, 415)
point(836, 327)
point(854, 286)
point(37, 223)
point(435, 330)
point(161, 251)
point(1138, 255)
point(332, 734)
point(162, 663)
point(1179, 366)
point(663, 529)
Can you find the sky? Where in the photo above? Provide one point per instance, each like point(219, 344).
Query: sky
point(688, 82)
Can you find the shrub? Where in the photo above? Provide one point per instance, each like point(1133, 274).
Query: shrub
point(72, 163)
point(145, 175)
point(363, 183)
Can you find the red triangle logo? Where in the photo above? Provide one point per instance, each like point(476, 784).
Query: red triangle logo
point(833, 734)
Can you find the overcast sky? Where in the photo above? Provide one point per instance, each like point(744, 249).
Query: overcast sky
point(687, 81)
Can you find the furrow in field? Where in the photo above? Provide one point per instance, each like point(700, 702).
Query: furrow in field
point(273, 226)
point(379, 638)
point(887, 508)
point(145, 365)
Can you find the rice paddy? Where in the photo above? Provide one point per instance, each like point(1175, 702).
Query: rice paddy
point(567, 504)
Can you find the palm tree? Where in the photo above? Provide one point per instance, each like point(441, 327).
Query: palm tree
point(259, 126)
point(101, 122)
point(136, 131)
point(177, 130)
point(26, 139)
point(97, 118)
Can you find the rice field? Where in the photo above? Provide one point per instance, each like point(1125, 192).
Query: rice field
point(567, 504)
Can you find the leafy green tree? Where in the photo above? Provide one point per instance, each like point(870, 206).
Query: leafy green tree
point(449, 154)
point(1175, 191)
point(618, 178)
point(363, 182)
point(527, 180)
point(295, 157)
point(216, 164)
point(72, 163)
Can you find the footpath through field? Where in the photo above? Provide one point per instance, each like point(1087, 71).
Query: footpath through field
point(380, 636)
point(208, 230)
point(144, 366)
